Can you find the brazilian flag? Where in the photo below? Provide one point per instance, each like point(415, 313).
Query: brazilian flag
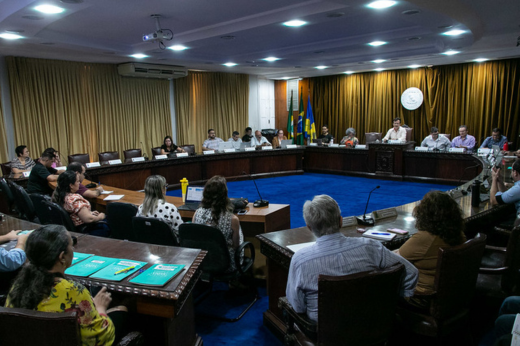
point(290, 122)
point(299, 129)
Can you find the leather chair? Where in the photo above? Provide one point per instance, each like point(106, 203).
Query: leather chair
point(189, 148)
point(59, 216)
point(156, 151)
point(82, 158)
point(107, 156)
point(8, 196)
point(409, 134)
point(119, 219)
point(6, 169)
point(348, 308)
point(217, 262)
point(447, 135)
point(371, 137)
point(457, 267)
point(153, 231)
point(23, 203)
point(42, 212)
point(29, 327)
point(130, 153)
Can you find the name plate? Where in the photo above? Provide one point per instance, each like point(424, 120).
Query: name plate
point(138, 159)
point(92, 164)
point(229, 150)
point(267, 148)
point(455, 194)
point(209, 152)
point(249, 149)
point(61, 168)
point(394, 141)
point(333, 145)
point(384, 213)
point(26, 174)
point(457, 150)
point(421, 148)
point(483, 151)
point(342, 145)
point(291, 146)
point(349, 221)
point(161, 157)
point(183, 155)
point(313, 144)
point(114, 162)
point(360, 146)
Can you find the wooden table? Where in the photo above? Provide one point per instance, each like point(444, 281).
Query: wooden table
point(165, 313)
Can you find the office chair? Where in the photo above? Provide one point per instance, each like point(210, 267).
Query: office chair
point(59, 216)
point(153, 231)
point(189, 148)
point(8, 196)
point(82, 158)
point(42, 212)
point(371, 137)
point(119, 219)
point(156, 151)
point(6, 169)
point(23, 203)
point(107, 156)
point(131, 153)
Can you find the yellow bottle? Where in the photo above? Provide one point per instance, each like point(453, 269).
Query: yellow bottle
point(184, 184)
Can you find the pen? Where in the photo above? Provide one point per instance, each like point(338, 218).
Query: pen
point(378, 233)
point(124, 270)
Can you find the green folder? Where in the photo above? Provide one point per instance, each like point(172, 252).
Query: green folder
point(109, 272)
point(26, 232)
point(90, 266)
point(158, 274)
point(78, 257)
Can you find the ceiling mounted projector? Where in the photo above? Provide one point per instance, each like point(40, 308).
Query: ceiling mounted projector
point(158, 35)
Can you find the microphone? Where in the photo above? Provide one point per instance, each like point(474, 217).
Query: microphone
point(464, 192)
point(259, 203)
point(145, 155)
point(92, 184)
point(367, 221)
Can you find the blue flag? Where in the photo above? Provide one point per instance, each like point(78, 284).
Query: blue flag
point(310, 127)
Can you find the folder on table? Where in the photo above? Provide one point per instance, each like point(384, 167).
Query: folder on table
point(158, 274)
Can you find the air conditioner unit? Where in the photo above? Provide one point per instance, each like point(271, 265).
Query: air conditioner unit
point(151, 71)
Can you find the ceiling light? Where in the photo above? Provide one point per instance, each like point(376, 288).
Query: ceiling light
point(271, 58)
point(480, 60)
point(178, 47)
point(454, 32)
point(10, 36)
point(321, 67)
point(348, 72)
point(414, 66)
point(378, 61)
point(230, 64)
point(379, 69)
point(451, 52)
point(381, 4)
point(377, 43)
point(295, 23)
point(139, 56)
point(49, 9)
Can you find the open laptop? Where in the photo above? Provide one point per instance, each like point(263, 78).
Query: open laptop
point(225, 145)
point(244, 145)
point(285, 143)
point(318, 141)
point(193, 198)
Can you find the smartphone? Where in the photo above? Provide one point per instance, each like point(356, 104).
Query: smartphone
point(242, 212)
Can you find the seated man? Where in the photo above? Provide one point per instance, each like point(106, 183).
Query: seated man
point(41, 176)
point(14, 259)
point(435, 142)
point(248, 136)
point(396, 133)
point(259, 141)
point(499, 194)
point(496, 138)
point(212, 142)
point(464, 140)
point(80, 170)
point(235, 140)
point(325, 136)
point(335, 254)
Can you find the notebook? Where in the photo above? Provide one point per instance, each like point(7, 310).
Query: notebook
point(158, 274)
point(193, 198)
point(89, 266)
point(115, 271)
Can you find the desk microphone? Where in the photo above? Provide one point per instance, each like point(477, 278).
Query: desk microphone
point(367, 221)
point(259, 203)
point(145, 155)
point(464, 192)
point(92, 184)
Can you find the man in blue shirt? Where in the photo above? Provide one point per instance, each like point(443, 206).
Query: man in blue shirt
point(15, 258)
point(495, 139)
point(335, 254)
point(499, 194)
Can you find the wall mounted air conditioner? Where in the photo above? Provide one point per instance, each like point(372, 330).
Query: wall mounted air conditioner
point(151, 71)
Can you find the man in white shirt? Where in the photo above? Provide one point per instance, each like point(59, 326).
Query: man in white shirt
point(259, 141)
point(212, 142)
point(235, 140)
point(435, 142)
point(396, 133)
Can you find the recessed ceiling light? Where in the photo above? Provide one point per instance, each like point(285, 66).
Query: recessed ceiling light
point(139, 56)
point(348, 72)
point(414, 66)
point(379, 69)
point(451, 52)
point(15, 31)
point(10, 36)
point(230, 64)
point(377, 43)
point(321, 67)
point(295, 23)
point(378, 61)
point(178, 47)
point(381, 4)
point(480, 60)
point(271, 58)
point(454, 32)
point(49, 9)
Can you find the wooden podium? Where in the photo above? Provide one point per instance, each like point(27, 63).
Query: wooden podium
point(387, 159)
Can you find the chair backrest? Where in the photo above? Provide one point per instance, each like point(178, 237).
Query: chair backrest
point(6, 191)
point(512, 261)
point(107, 156)
point(458, 267)
point(83, 158)
point(23, 202)
point(6, 169)
point(59, 216)
point(197, 236)
point(28, 327)
point(409, 133)
point(348, 305)
point(41, 209)
point(189, 148)
point(130, 153)
point(447, 135)
point(371, 137)
point(156, 151)
point(153, 231)
point(119, 219)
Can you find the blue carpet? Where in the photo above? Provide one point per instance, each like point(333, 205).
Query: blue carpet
point(350, 192)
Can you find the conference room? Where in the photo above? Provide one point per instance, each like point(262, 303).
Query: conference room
point(70, 82)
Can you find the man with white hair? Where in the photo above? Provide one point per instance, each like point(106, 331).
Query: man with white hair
point(335, 254)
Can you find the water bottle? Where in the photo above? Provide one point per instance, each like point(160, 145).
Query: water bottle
point(332, 141)
point(475, 193)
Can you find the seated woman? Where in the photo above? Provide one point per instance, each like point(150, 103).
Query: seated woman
point(169, 147)
point(78, 207)
point(155, 206)
point(216, 210)
point(22, 162)
point(277, 141)
point(41, 285)
point(350, 139)
point(440, 223)
point(57, 159)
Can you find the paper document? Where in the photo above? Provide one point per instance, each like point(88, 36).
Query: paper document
point(114, 197)
point(297, 247)
point(381, 235)
point(106, 192)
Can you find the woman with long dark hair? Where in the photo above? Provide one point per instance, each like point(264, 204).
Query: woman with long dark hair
point(169, 147)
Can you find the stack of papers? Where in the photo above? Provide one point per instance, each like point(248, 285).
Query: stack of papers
point(381, 235)
point(114, 197)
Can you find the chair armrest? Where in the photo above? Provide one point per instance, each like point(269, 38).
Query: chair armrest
point(132, 339)
point(496, 248)
point(503, 231)
point(306, 325)
point(425, 294)
point(493, 271)
point(242, 268)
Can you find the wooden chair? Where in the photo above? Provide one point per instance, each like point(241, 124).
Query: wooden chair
point(119, 219)
point(82, 158)
point(153, 231)
point(107, 156)
point(130, 153)
point(356, 309)
point(454, 285)
point(409, 134)
point(371, 137)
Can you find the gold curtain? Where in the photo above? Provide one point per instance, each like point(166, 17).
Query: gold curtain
point(85, 108)
point(482, 96)
point(4, 156)
point(210, 100)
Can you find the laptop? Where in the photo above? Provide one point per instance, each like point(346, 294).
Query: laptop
point(318, 141)
point(225, 145)
point(244, 145)
point(285, 143)
point(193, 198)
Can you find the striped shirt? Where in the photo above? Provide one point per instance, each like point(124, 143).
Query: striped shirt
point(335, 254)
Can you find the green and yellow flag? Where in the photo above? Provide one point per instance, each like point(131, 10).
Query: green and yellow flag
point(299, 128)
point(290, 122)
